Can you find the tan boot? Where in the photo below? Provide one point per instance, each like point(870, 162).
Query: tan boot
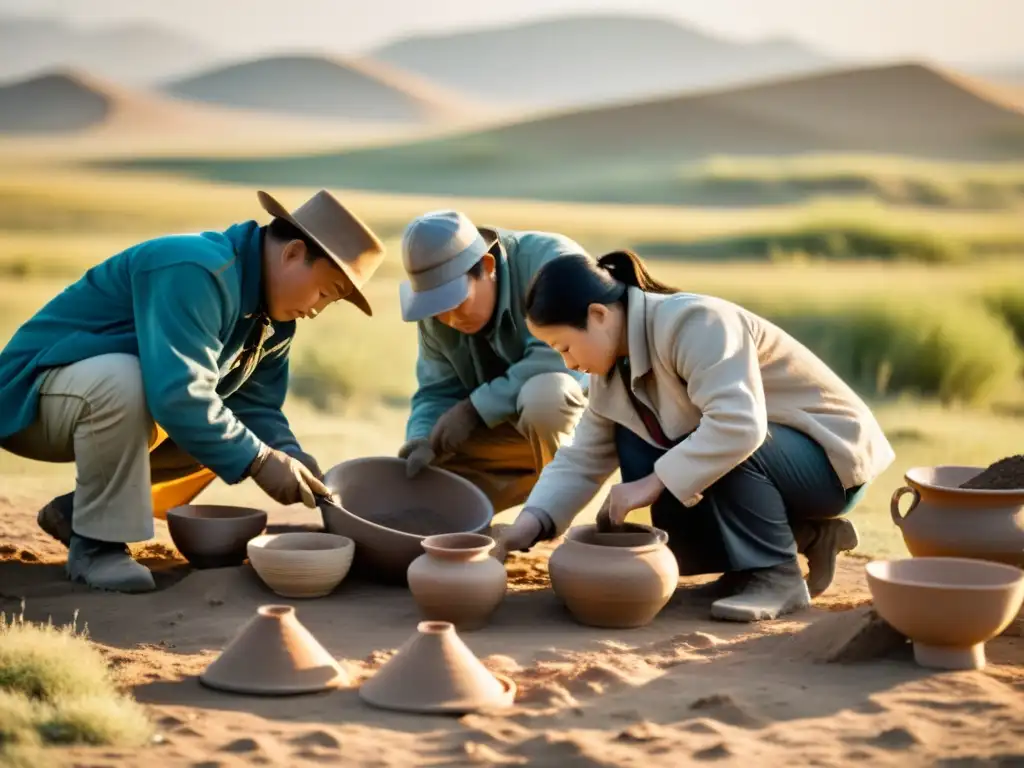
point(821, 542)
point(770, 593)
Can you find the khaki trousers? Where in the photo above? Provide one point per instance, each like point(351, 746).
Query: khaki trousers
point(94, 413)
point(506, 461)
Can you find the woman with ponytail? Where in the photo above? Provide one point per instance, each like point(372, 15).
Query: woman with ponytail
point(747, 448)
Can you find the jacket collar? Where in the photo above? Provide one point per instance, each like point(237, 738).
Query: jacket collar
point(636, 334)
point(247, 240)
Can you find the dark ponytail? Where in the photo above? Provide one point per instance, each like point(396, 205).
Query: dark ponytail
point(562, 290)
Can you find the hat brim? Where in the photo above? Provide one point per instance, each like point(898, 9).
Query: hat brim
point(423, 304)
point(274, 208)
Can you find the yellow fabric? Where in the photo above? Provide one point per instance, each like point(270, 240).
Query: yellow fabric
point(182, 490)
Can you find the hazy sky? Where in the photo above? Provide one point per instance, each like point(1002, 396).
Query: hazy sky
point(946, 30)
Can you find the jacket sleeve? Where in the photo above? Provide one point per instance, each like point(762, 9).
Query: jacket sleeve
point(577, 472)
point(497, 400)
point(260, 400)
point(438, 389)
point(179, 313)
point(712, 349)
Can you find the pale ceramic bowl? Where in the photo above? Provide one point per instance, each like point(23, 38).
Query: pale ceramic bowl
point(301, 564)
point(948, 606)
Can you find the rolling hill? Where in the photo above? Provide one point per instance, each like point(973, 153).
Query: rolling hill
point(322, 87)
point(642, 152)
point(578, 60)
point(128, 54)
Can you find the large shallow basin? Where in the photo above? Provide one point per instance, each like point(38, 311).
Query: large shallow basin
point(388, 515)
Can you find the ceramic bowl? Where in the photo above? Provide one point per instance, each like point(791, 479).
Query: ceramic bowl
point(389, 515)
point(301, 564)
point(948, 606)
point(214, 536)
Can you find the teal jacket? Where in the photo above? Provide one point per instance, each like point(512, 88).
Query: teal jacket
point(489, 368)
point(185, 305)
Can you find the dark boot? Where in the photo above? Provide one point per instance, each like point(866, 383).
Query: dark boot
point(107, 565)
point(55, 518)
point(822, 541)
point(770, 593)
point(726, 585)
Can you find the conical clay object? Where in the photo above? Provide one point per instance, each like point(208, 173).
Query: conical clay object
point(435, 672)
point(274, 655)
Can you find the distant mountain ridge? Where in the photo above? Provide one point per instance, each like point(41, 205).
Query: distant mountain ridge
point(576, 60)
point(322, 87)
point(127, 54)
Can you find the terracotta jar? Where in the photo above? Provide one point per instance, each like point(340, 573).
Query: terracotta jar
point(617, 580)
point(944, 520)
point(456, 579)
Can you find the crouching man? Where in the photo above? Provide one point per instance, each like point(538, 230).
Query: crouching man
point(166, 366)
point(493, 403)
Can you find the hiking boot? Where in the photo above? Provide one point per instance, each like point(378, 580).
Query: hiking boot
point(107, 565)
point(769, 593)
point(727, 584)
point(55, 518)
point(822, 541)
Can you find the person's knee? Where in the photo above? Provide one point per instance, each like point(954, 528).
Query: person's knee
point(113, 388)
point(551, 403)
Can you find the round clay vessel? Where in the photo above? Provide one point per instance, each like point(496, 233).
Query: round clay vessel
point(214, 536)
point(618, 580)
point(948, 606)
point(456, 579)
point(388, 515)
point(301, 564)
point(944, 520)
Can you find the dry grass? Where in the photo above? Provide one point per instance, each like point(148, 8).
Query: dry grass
point(55, 688)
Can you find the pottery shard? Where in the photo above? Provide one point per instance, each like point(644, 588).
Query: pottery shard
point(1004, 475)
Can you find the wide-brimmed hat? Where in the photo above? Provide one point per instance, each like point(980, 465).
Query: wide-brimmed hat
point(438, 250)
point(339, 233)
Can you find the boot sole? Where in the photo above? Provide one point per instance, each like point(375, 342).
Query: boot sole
point(743, 615)
point(846, 539)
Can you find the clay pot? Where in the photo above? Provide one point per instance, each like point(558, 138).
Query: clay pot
point(214, 536)
point(274, 655)
point(434, 672)
point(388, 515)
point(618, 580)
point(948, 606)
point(301, 564)
point(457, 580)
point(944, 520)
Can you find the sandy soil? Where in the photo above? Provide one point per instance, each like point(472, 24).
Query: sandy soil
point(685, 688)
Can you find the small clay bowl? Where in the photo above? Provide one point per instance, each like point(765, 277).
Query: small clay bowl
point(948, 606)
point(214, 536)
point(301, 564)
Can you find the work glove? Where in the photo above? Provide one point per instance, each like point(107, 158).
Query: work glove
point(310, 463)
point(417, 455)
point(454, 427)
point(286, 479)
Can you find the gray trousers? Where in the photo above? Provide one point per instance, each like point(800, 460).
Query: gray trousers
point(748, 518)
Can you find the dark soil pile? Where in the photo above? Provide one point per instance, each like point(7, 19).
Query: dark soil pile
point(1005, 475)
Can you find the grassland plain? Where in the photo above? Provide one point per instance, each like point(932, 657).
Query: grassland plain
point(932, 345)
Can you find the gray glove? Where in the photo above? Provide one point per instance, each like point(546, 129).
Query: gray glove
point(417, 455)
point(310, 464)
point(286, 479)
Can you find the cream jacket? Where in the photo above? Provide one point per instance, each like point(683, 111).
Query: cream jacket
point(707, 366)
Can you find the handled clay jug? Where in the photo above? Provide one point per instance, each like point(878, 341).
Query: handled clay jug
point(456, 579)
point(944, 520)
point(616, 580)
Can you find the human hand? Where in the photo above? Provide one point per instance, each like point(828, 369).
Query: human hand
point(417, 455)
point(454, 427)
point(519, 536)
point(285, 479)
point(625, 497)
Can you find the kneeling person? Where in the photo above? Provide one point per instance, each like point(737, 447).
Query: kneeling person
point(166, 366)
point(493, 403)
